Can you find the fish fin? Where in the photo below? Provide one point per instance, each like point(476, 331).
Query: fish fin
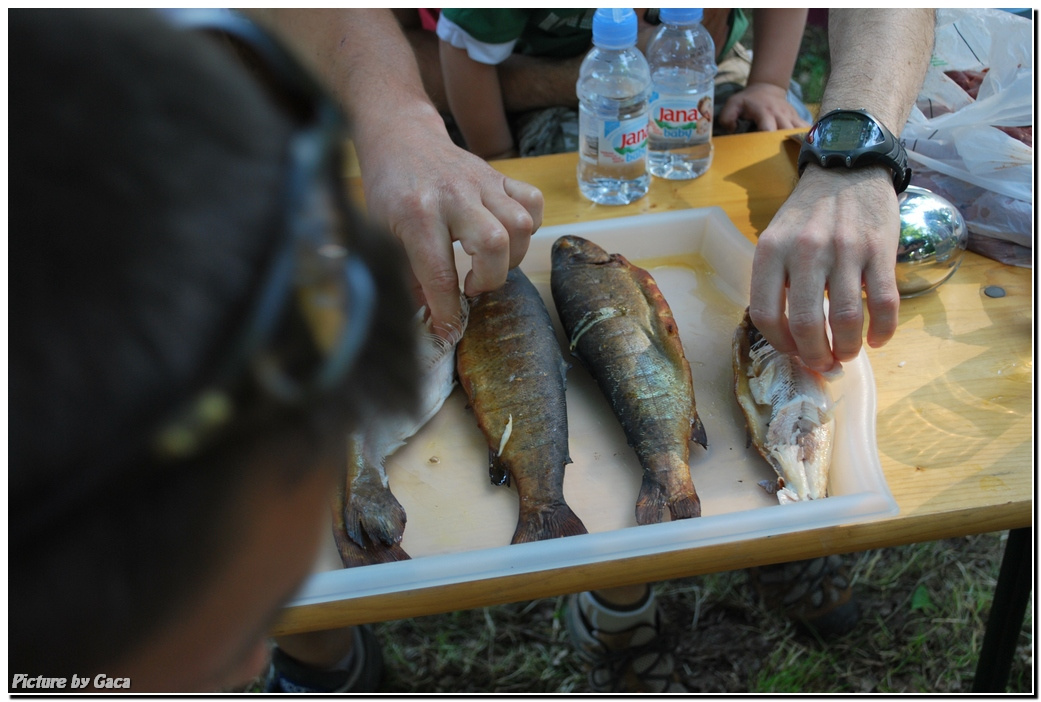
point(547, 522)
point(564, 368)
point(377, 517)
point(686, 507)
point(650, 504)
point(497, 472)
point(769, 485)
point(364, 552)
point(354, 555)
point(697, 432)
point(655, 495)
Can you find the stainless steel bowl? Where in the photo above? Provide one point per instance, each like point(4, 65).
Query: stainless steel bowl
point(933, 238)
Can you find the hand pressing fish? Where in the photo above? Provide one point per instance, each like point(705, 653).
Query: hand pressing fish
point(789, 414)
point(512, 371)
point(622, 329)
point(368, 521)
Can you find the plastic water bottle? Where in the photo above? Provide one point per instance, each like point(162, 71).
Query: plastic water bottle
point(613, 87)
point(682, 57)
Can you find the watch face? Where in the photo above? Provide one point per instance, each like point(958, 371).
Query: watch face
point(845, 132)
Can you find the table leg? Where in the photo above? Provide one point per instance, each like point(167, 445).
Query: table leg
point(1006, 613)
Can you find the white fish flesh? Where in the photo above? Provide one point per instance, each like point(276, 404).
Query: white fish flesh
point(369, 522)
point(789, 414)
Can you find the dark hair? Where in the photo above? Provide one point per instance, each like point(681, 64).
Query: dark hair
point(146, 175)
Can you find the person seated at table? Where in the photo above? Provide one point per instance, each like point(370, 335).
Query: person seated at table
point(474, 42)
point(177, 411)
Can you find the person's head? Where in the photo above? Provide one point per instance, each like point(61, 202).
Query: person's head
point(177, 412)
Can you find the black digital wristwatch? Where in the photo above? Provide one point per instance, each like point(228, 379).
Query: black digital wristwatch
point(854, 139)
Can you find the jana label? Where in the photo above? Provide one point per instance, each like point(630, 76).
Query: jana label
point(615, 142)
point(681, 118)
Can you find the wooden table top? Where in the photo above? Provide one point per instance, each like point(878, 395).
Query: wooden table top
point(954, 403)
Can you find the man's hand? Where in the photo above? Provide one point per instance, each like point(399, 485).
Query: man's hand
point(418, 183)
point(837, 233)
point(430, 193)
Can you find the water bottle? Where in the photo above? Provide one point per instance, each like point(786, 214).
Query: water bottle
point(613, 87)
point(682, 57)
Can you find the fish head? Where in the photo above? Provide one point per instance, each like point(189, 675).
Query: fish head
point(575, 250)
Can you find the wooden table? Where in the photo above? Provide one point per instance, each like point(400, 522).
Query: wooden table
point(954, 392)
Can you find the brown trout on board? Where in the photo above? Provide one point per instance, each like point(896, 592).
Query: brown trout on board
point(622, 329)
point(789, 414)
point(368, 521)
point(512, 370)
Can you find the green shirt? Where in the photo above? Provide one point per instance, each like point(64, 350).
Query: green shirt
point(738, 24)
point(554, 32)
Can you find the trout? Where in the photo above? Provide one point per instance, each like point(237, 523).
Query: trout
point(622, 329)
point(789, 414)
point(368, 521)
point(512, 370)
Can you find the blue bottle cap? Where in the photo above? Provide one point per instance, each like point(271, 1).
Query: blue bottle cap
point(614, 28)
point(673, 15)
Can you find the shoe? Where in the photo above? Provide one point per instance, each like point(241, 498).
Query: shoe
point(628, 651)
point(361, 671)
point(815, 593)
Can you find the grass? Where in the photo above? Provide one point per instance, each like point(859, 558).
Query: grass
point(923, 614)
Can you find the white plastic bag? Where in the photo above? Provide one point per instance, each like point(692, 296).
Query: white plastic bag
point(952, 140)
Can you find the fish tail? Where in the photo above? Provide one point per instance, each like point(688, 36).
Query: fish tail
point(650, 504)
point(547, 522)
point(359, 550)
point(380, 519)
point(686, 507)
point(672, 489)
point(354, 555)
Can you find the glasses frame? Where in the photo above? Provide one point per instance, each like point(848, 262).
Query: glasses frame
point(314, 165)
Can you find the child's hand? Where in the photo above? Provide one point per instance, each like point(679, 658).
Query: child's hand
point(765, 104)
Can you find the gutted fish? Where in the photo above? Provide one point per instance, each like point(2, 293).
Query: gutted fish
point(789, 414)
point(512, 371)
point(623, 331)
point(368, 521)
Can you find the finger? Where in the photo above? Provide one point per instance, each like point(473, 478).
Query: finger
point(484, 238)
point(767, 298)
point(530, 198)
point(792, 122)
point(432, 261)
point(765, 121)
point(806, 318)
point(846, 314)
point(728, 115)
point(883, 304)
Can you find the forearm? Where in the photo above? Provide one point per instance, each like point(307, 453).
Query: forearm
point(368, 65)
point(879, 58)
point(475, 97)
point(775, 46)
point(536, 82)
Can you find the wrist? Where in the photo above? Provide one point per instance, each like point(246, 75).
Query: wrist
point(371, 135)
point(768, 82)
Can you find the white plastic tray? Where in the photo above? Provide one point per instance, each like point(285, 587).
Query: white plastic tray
point(459, 525)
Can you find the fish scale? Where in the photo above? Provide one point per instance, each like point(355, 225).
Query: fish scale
point(620, 327)
point(512, 371)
